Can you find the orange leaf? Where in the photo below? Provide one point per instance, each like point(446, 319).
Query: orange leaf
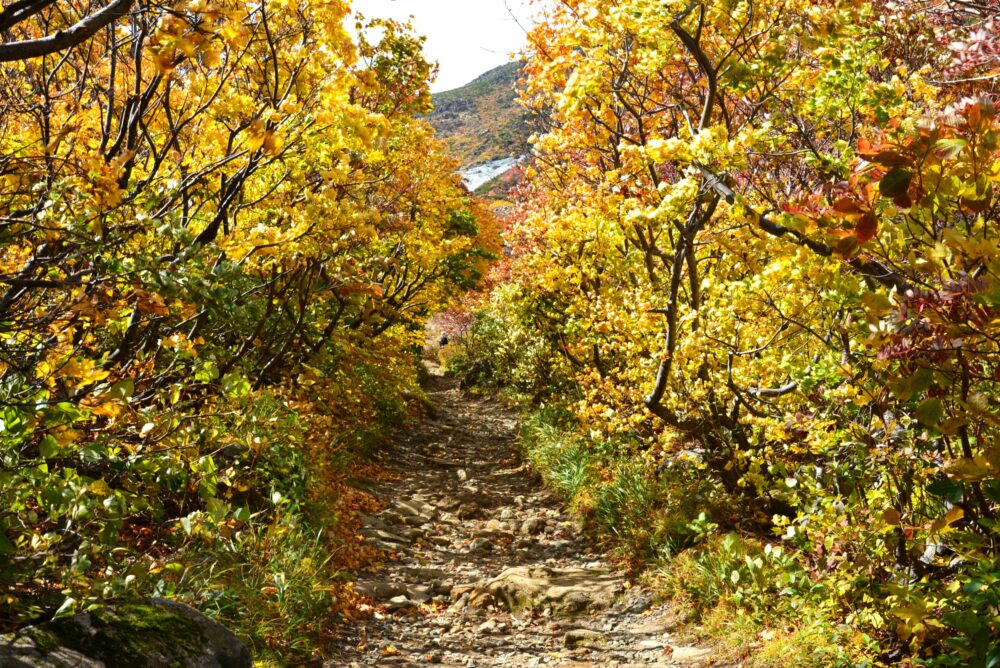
point(847, 205)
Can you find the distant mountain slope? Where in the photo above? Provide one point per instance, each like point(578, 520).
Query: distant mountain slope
point(482, 120)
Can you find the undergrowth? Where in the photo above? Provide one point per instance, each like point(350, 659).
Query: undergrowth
point(755, 598)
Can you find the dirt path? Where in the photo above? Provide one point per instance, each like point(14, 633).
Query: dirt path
point(489, 570)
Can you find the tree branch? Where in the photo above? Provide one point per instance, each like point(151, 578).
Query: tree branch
point(872, 269)
point(65, 39)
point(21, 10)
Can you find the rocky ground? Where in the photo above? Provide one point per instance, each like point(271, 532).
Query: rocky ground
point(488, 570)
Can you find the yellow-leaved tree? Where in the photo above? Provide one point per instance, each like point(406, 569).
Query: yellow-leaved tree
point(755, 262)
point(221, 229)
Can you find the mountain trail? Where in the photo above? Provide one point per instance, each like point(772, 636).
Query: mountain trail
point(489, 570)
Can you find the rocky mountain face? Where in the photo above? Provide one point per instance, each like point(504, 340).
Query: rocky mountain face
point(484, 126)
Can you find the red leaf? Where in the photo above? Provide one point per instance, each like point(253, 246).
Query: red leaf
point(866, 228)
point(890, 159)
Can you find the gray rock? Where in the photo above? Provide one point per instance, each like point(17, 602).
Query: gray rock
point(565, 591)
point(419, 593)
point(156, 634)
point(586, 638)
point(416, 509)
point(648, 629)
point(690, 655)
point(399, 603)
point(385, 537)
point(480, 545)
point(380, 591)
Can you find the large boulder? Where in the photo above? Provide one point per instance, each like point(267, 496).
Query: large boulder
point(563, 590)
point(155, 634)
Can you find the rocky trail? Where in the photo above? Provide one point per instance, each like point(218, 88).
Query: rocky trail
point(488, 569)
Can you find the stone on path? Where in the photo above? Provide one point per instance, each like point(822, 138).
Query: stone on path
point(689, 655)
point(485, 568)
point(586, 638)
point(563, 590)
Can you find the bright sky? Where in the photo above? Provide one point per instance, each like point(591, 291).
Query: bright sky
point(465, 37)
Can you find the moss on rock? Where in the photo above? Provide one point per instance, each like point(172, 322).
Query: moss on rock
point(155, 634)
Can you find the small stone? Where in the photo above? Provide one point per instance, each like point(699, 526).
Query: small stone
point(480, 545)
point(462, 591)
point(448, 503)
point(506, 514)
point(533, 526)
point(399, 603)
point(489, 626)
point(459, 604)
point(419, 593)
point(468, 511)
point(462, 475)
point(386, 537)
point(651, 644)
point(391, 516)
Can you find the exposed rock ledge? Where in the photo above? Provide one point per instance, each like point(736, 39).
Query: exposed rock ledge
point(155, 634)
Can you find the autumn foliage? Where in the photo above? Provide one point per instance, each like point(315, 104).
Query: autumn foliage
point(755, 264)
point(221, 229)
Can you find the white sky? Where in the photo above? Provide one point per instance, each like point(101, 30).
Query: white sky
point(465, 37)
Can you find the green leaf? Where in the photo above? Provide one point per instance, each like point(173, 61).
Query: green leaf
point(896, 182)
point(49, 447)
point(235, 385)
point(6, 544)
point(930, 411)
point(123, 389)
point(965, 621)
point(67, 608)
point(946, 488)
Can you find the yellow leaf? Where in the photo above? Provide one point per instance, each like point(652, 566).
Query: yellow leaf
point(954, 515)
point(100, 488)
point(891, 517)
